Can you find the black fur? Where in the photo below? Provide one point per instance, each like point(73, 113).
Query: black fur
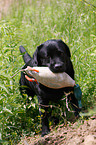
point(56, 55)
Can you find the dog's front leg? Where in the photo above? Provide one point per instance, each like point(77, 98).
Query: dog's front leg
point(45, 122)
point(43, 110)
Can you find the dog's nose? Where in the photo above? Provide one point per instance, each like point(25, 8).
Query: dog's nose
point(58, 66)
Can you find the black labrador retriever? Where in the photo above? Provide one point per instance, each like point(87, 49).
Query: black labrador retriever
point(54, 54)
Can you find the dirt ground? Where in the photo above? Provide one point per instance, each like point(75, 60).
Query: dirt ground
point(83, 133)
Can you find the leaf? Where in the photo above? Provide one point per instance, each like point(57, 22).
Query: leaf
point(4, 88)
point(7, 110)
point(42, 110)
point(4, 142)
point(6, 50)
point(94, 53)
point(3, 76)
point(33, 105)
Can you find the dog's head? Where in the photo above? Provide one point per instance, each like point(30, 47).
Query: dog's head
point(53, 53)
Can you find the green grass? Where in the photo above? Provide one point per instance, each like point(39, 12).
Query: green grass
point(30, 24)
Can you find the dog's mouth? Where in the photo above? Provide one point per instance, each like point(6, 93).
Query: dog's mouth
point(57, 68)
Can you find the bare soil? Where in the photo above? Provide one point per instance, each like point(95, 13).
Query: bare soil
point(83, 133)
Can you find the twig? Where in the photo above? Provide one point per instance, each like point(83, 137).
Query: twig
point(23, 70)
point(89, 3)
point(25, 142)
point(16, 73)
point(66, 94)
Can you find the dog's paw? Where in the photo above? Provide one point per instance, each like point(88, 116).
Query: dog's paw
point(45, 133)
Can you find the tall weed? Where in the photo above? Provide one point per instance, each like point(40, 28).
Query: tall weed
point(29, 24)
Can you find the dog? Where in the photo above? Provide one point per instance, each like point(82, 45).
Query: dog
point(54, 54)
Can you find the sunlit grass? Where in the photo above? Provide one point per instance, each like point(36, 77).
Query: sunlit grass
point(30, 24)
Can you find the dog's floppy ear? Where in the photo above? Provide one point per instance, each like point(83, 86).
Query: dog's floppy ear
point(64, 47)
point(36, 55)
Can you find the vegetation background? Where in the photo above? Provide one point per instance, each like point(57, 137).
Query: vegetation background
point(30, 23)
